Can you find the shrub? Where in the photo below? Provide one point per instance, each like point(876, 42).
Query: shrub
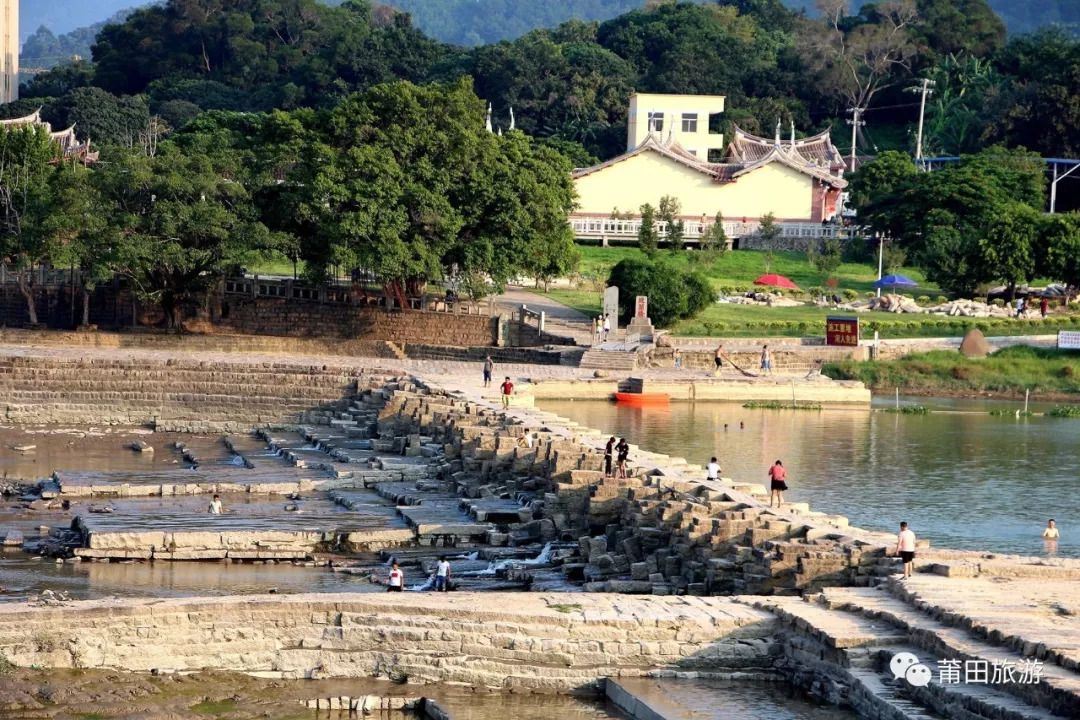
point(1065, 411)
point(673, 293)
point(998, 302)
point(923, 299)
point(870, 294)
point(850, 295)
point(941, 299)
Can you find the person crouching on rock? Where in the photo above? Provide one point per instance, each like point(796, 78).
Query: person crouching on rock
point(395, 581)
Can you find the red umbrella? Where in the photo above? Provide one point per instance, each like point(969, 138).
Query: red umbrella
point(776, 281)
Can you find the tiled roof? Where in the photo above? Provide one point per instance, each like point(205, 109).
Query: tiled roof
point(746, 153)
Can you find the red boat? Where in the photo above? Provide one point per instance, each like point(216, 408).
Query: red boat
point(642, 398)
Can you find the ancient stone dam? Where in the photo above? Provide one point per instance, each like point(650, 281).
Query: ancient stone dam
point(563, 580)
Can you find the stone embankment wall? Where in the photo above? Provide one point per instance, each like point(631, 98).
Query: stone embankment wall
point(300, 318)
point(785, 358)
point(551, 642)
point(173, 394)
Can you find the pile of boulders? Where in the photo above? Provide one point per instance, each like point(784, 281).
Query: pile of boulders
point(971, 308)
point(761, 298)
point(894, 303)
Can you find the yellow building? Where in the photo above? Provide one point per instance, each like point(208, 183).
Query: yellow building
point(9, 53)
point(798, 181)
point(684, 117)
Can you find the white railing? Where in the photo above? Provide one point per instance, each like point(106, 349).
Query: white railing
point(593, 228)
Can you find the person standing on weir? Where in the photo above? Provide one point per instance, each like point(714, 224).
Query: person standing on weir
point(766, 359)
point(215, 506)
point(395, 581)
point(905, 548)
point(718, 360)
point(489, 368)
point(442, 575)
point(609, 451)
point(607, 326)
point(777, 486)
point(623, 450)
point(507, 390)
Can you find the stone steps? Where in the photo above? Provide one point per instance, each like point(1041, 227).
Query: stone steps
point(1058, 691)
point(607, 360)
point(866, 644)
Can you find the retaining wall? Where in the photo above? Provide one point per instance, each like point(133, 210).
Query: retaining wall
point(822, 391)
point(551, 642)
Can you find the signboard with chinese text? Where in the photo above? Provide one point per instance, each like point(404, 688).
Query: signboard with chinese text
point(641, 306)
point(1068, 340)
point(842, 331)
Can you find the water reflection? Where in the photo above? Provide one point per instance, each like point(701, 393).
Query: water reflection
point(961, 477)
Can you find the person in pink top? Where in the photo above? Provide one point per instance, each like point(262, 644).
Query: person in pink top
point(905, 548)
point(777, 475)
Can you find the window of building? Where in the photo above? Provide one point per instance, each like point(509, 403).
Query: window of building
point(689, 122)
point(692, 151)
point(656, 121)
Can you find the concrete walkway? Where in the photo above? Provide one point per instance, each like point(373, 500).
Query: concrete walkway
point(560, 319)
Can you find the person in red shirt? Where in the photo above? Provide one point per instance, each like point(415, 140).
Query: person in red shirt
point(777, 475)
point(507, 391)
point(1044, 305)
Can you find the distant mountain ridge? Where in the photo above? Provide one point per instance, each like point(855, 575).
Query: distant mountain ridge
point(472, 22)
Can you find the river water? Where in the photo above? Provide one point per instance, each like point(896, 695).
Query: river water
point(961, 477)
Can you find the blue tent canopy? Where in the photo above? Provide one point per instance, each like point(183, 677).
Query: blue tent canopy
point(895, 281)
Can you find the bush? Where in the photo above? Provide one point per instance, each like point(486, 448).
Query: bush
point(923, 299)
point(673, 293)
point(870, 294)
point(941, 299)
point(998, 302)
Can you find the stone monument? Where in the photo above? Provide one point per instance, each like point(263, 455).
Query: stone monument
point(611, 306)
point(640, 324)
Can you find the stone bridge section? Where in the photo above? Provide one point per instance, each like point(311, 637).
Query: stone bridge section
point(542, 642)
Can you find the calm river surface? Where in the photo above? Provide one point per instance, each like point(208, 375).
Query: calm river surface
point(961, 477)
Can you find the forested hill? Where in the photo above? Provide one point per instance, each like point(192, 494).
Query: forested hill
point(473, 22)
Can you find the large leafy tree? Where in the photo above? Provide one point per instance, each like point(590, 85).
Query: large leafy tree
point(178, 223)
point(406, 182)
point(1059, 249)
point(1010, 244)
point(27, 164)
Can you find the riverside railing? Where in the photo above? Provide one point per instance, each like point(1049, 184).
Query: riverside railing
point(598, 228)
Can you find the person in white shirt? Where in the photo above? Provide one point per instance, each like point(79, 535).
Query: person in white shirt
point(395, 581)
point(215, 506)
point(712, 470)
point(442, 575)
point(905, 548)
point(607, 326)
point(526, 440)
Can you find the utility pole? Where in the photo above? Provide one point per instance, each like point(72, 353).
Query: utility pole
point(855, 122)
point(925, 90)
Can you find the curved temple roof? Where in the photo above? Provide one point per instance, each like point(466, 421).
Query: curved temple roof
point(815, 156)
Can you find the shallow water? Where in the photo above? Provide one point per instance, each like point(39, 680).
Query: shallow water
point(96, 448)
point(962, 478)
point(729, 700)
point(20, 577)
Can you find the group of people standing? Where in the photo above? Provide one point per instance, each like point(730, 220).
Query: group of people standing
point(619, 452)
point(601, 328)
point(1023, 304)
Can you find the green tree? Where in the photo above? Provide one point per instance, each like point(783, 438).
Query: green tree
point(1010, 243)
point(178, 222)
point(673, 293)
point(879, 177)
point(26, 167)
point(714, 241)
point(102, 117)
point(670, 214)
point(1059, 255)
point(768, 230)
point(828, 256)
point(648, 238)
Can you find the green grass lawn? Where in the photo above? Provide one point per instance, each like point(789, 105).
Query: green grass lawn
point(275, 264)
point(1011, 370)
point(742, 267)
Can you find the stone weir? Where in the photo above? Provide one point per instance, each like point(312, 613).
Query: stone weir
point(662, 530)
point(174, 393)
point(544, 642)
